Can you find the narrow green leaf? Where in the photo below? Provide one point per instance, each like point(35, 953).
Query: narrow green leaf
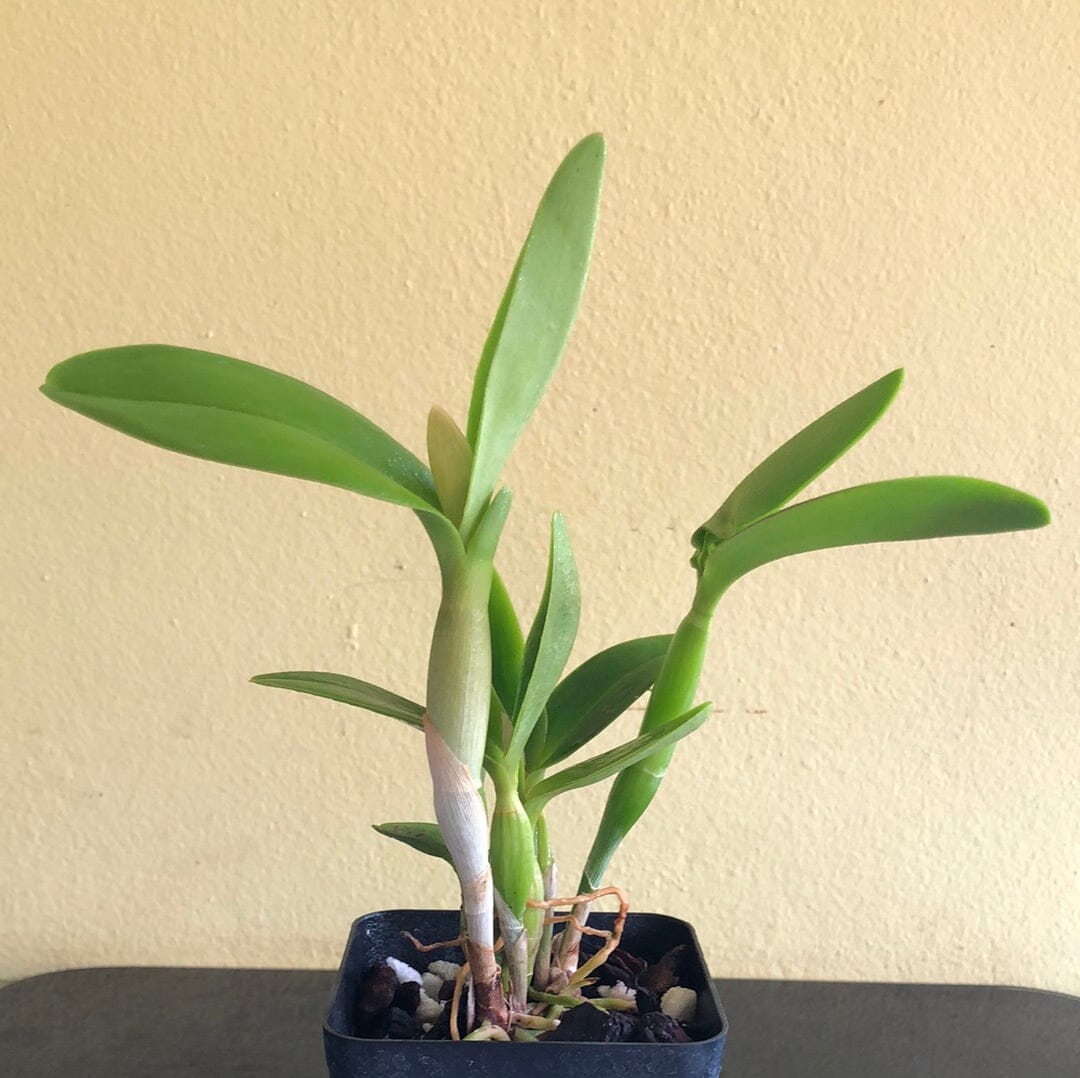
point(507, 644)
point(615, 760)
point(594, 695)
point(450, 457)
point(445, 538)
point(534, 319)
point(422, 837)
point(801, 459)
point(485, 539)
point(346, 690)
point(550, 639)
point(487, 354)
point(227, 410)
point(890, 511)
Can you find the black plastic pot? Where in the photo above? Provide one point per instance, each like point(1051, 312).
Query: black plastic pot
point(379, 935)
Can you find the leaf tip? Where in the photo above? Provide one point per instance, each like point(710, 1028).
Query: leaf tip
point(1040, 512)
point(594, 141)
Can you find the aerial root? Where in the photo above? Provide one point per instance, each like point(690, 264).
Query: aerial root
point(613, 937)
point(459, 942)
point(570, 919)
point(427, 947)
point(455, 1002)
point(459, 981)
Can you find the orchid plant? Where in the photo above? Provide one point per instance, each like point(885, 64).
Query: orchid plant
point(499, 715)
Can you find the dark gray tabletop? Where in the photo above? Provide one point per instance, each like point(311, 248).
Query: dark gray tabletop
point(116, 1023)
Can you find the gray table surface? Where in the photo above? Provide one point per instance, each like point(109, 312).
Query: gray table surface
point(116, 1023)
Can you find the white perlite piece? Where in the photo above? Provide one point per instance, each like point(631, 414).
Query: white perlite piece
point(680, 1004)
point(405, 973)
point(431, 984)
point(446, 970)
point(618, 990)
point(428, 1009)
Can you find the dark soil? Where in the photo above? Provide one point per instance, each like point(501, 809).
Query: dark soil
point(387, 1008)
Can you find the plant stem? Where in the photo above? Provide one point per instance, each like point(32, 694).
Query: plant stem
point(459, 809)
point(459, 670)
point(517, 881)
point(455, 726)
point(546, 861)
point(673, 694)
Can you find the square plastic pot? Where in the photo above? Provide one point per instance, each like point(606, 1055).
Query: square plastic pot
point(378, 936)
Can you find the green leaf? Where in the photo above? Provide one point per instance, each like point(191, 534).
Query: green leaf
point(800, 460)
point(484, 540)
point(594, 695)
point(534, 747)
point(615, 760)
point(347, 690)
point(226, 410)
point(450, 457)
point(890, 511)
point(507, 644)
point(550, 639)
point(534, 319)
point(423, 837)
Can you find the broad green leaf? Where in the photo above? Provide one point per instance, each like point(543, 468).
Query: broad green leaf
point(800, 460)
point(550, 639)
point(590, 698)
point(507, 644)
point(890, 511)
point(450, 457)
point(227, 410)
point(534, 318)
point(346, 690)
point(615, 760)
point(423, 837)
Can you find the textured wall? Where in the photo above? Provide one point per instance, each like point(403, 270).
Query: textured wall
point(800, 196)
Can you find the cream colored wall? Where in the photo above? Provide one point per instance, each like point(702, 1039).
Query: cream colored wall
point(799, 197)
